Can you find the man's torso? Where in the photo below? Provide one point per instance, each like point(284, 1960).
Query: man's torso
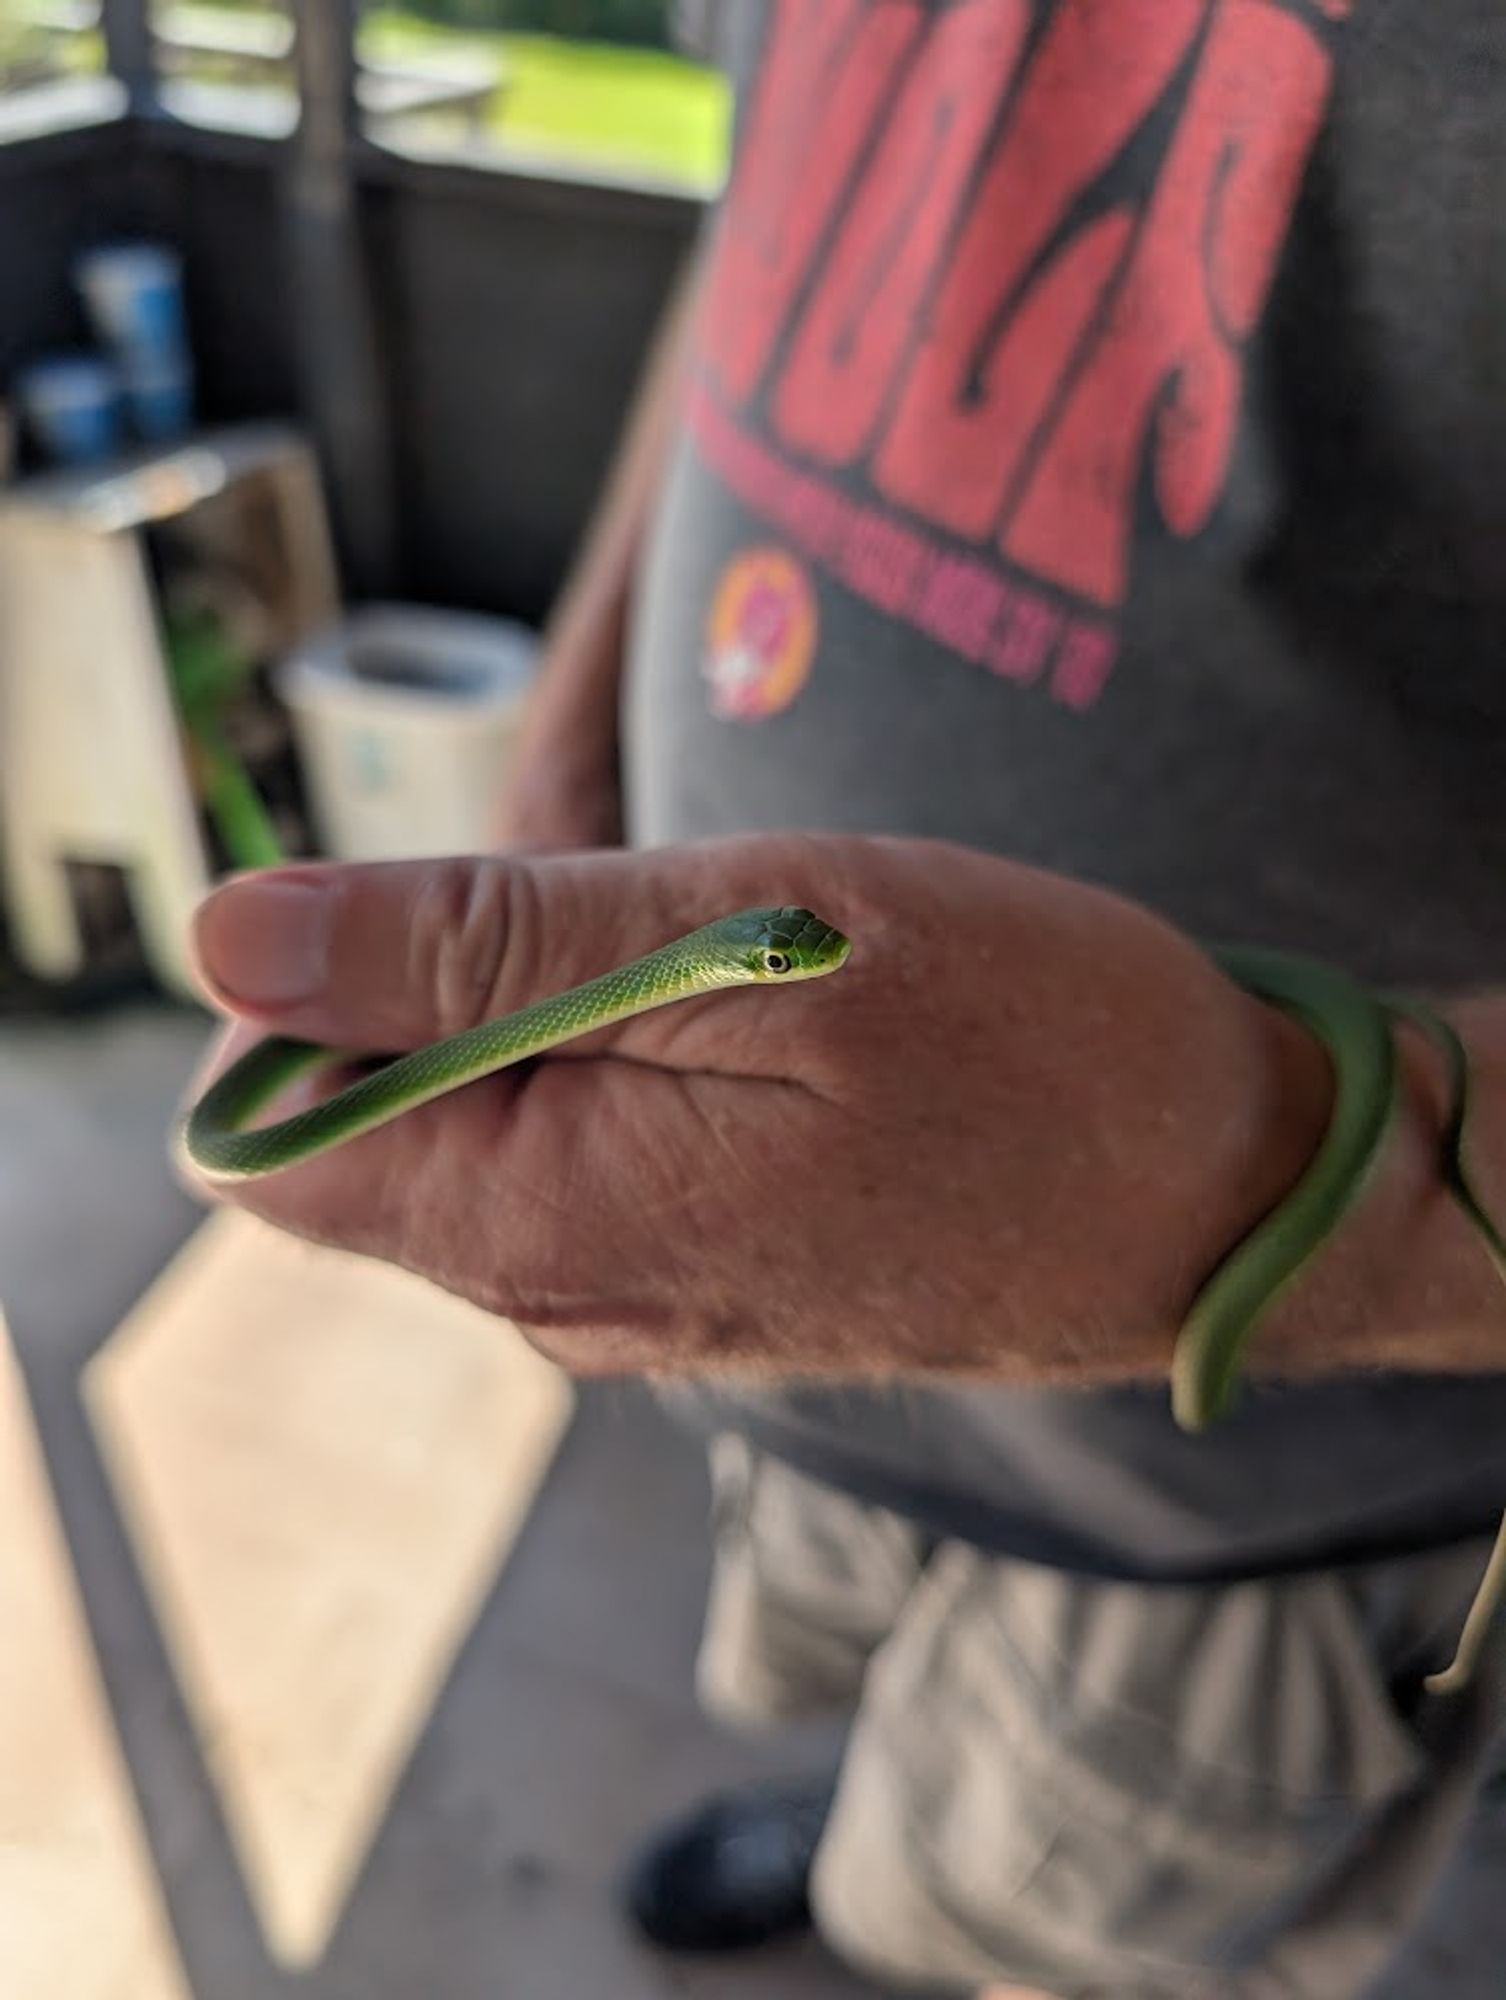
point(1094, 452)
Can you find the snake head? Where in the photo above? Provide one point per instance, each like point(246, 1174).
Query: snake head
point(784, 944)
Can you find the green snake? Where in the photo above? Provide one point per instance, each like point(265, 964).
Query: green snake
point(780, 946)
point(765, 947)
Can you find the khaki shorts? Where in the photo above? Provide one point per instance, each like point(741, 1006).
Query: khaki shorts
point(1104, 1789)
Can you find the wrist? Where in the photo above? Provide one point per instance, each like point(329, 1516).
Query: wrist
point(1404, 1282)
point(1261, 1133)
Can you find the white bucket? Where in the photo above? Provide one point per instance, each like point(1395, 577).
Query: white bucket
point(406, 721)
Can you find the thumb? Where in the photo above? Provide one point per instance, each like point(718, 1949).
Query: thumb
point(390, 955)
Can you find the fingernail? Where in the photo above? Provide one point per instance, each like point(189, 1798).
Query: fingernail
point(265, 942)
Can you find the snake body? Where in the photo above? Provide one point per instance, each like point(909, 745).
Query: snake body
point(1356, 1032)
point(1356, 1027)
point(764, 946)
point(773, 946)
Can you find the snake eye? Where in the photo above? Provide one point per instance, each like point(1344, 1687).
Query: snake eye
point(776, 961)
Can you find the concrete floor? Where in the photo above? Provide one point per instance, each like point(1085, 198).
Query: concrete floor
point(566, 1724)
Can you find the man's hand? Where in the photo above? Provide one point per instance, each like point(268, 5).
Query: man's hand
point(1008, 1139)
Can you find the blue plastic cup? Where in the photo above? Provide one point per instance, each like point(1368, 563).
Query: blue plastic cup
point(71, 403)
point(134, 296)
point(159, 399)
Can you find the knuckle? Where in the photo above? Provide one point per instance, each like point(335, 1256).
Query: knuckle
point(459, 939)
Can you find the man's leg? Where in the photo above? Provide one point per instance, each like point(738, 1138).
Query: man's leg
point(1095, 1789)
point(806, 1583)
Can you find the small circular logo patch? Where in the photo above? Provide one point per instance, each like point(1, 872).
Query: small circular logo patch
point(760, 637)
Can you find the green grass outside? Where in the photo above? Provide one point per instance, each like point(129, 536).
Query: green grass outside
point(74, 55)
point(591, 106)
point(585, 104)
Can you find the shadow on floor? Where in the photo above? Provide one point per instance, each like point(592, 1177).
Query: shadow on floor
point(567, 1726)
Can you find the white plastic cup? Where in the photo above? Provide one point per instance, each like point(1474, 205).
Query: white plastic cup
point(134, 296)
point(406, 722)
point(71, 403)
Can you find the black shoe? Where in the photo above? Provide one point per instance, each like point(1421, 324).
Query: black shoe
point(734, 1873)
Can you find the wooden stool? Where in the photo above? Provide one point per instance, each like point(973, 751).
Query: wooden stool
point(91, 756)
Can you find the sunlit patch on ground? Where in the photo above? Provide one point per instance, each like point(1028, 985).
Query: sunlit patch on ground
point(80, 1910)
point(322, 1464)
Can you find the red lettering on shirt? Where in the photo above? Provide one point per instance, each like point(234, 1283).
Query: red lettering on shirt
point(985, 284)
point(824, 76)
point(974, 395)
point(1163, 383)
point(863, 313)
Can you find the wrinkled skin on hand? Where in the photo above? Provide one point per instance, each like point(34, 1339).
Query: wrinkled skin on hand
point(1007, 1139)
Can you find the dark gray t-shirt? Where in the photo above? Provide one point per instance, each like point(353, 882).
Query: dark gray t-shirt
point(1095, 451)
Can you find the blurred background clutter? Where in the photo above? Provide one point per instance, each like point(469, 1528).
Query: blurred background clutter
point(341, 1641)
point(306, 310)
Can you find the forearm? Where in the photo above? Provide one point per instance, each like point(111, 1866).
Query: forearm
point(587, 628)
point(1406, 1282)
